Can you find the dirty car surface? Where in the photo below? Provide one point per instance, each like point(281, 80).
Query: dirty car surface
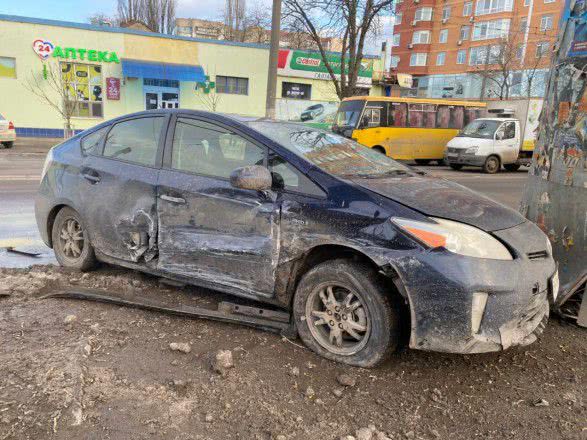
point(353, 243)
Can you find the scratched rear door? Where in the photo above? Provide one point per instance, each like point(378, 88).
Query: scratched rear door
point(225, 237)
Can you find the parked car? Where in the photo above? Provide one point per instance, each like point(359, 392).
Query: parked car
point(352, 243)
point(312, 112)
point(489, 143)
point(7, 132)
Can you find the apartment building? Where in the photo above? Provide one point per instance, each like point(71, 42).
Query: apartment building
point(451, 46)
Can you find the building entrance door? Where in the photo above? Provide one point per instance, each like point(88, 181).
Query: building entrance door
point(161, 97)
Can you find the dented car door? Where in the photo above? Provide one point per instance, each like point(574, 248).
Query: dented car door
point(208, 229)
point(120, 181)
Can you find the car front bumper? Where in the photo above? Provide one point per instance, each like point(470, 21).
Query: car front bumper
point(8, 136)
point(465, 159)
point(441, 286)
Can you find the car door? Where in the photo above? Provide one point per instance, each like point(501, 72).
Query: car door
point(118, 188)
point(506, 142)
point(208, 229)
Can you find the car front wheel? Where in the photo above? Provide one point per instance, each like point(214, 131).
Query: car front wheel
point(343, 313)
point(492, 165)
point(8, 144)
point(71, 244)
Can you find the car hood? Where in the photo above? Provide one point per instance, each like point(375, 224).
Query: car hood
point(466, 142)
point(437, 197)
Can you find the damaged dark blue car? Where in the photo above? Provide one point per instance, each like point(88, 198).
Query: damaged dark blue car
point(354, 245)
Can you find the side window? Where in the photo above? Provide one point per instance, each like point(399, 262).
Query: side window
point(510, 130)
point(422, 115)
point(285, 175)
point(91, 143)
point(204, 148)
point(376, 112)
point(398, 114)
point(135, 140)
point(450, 116)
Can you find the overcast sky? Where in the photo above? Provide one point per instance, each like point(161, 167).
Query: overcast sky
point(80, 10)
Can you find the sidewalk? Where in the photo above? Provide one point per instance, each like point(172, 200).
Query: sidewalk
point(34, 145)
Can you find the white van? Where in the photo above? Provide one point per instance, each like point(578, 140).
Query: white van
point(489, 143)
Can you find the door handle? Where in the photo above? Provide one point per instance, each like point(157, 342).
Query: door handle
point(177, 200)
point(91, 176)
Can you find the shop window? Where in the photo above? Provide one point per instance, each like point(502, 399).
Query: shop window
point(203, 148)
point(422, 115)
point(296, 91)
point(7, 67)
point(398, 114)
point(135, 140)
point(450, 116)
point(83, 89)
point(232, 85)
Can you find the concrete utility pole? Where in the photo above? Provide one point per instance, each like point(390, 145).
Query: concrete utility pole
point(273, 56)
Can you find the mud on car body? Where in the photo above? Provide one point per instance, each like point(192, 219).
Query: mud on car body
point(352, 243)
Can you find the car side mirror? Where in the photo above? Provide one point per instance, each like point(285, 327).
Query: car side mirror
point(255, 177)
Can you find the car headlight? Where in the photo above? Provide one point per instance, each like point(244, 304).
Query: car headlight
point(455, 237)
point(471, 150)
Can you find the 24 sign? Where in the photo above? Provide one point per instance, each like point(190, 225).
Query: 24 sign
point(43, 48)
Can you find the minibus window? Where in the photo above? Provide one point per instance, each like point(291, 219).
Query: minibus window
point(376, 114)
point(398, 114)
point(472, 113)
point(422, 115)
point(450, 116)
point(349, 112)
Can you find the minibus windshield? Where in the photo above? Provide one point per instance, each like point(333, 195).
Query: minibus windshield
point(349, 113)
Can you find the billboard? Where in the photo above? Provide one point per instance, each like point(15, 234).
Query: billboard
point(307, 64)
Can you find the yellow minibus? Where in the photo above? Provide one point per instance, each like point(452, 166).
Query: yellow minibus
point(412, 129)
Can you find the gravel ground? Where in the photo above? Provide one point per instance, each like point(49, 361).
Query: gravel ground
point(73, 369)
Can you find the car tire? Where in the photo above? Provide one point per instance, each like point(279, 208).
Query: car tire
point(422, 161)
point(8, 144)
point(371, 313)
point(492, 165)
point(455, 166)
point(71, 243)
point(513, 167)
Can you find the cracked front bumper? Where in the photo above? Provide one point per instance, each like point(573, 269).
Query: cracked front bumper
point(465, 159)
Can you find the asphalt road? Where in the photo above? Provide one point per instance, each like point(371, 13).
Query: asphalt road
point(20, 173)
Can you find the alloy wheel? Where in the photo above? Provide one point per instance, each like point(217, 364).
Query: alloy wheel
point(338, 319)
point(71, 237)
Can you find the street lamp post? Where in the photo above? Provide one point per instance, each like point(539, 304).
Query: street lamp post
point(273, 56)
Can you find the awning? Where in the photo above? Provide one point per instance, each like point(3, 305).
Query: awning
point(147, 69)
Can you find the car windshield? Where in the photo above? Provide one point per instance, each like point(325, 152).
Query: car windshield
point(480, 128)
point(334, 154)
point(349, 112)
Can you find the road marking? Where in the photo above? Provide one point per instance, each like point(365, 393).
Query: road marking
point(13, 242)
point(20, 178)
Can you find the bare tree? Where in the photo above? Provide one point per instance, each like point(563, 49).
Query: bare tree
point(56, 90)
point(256, 22)
point(101, 19)
point(505, 65)
point(234, 19)
point(353, 19)
point(157, 15)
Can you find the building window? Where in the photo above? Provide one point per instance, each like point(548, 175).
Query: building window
point(7, 67)
point(546, 23)
point(183, 30)
point(462, 56)
point(485, 7)
point(487, 30)
point(83, 88)
point(421, 37)
point(523, 24)
point(440, 58)
point(418, 59)
point(467, 9)
point(395, 40)
point(296, 91)
point(443, 36)
point(520, 51)
point(495, 54)
point(232, 85)
point(542, 49)
point(446, 13)
point(549, 1)
point(478, 56)
point(465, 30)
point(423, 14)
point(527, 2)
point(398, 18)
point(394, 61)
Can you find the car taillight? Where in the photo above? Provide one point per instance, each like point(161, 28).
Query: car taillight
point(10, 126)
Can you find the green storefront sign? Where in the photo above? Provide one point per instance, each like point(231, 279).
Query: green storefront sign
point(312, 62)
point(99, 56)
